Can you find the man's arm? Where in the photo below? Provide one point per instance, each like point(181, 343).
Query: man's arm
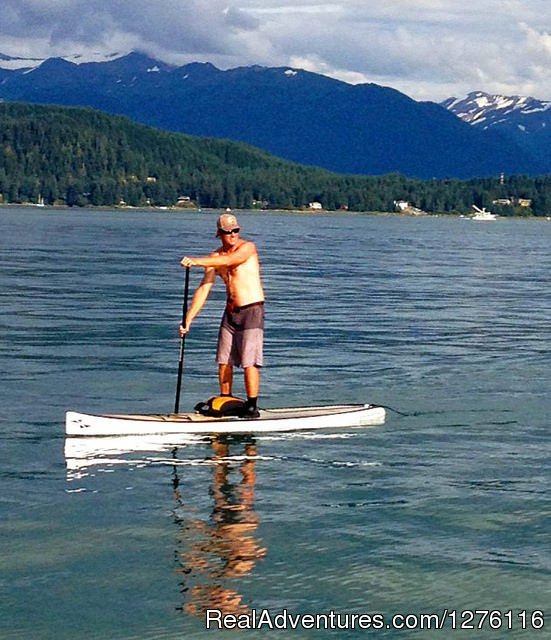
point(233, 259)
point(199, 298)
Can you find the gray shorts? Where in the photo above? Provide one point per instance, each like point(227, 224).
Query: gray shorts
point(241, 336)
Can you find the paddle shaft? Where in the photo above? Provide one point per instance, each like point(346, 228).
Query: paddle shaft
point(182, 344)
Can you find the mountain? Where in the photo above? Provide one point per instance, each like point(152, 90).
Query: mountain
point(523, 120)
point(294, 114)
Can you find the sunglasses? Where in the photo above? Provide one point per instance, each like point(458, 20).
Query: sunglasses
point(226, 232)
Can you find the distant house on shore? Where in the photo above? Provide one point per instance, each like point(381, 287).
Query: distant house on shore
point(507, 202)
point(316, 206)
point(405, 207)
point(183, 201)
point(401, 205)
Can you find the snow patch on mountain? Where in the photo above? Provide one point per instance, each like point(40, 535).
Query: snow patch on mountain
point(479, 108)
point(19, 62)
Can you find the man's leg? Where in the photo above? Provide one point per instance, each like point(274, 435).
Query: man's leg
point(252, 381)
point(252, 387)
point(225, 378)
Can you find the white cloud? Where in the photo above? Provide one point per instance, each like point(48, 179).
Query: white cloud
point(429, 49)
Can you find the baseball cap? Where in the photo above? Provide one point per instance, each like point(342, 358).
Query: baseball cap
point(227, 221)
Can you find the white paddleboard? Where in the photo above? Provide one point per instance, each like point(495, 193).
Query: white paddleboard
point(270, 420)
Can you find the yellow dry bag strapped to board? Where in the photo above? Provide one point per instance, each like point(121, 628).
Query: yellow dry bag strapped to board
point(220, 406)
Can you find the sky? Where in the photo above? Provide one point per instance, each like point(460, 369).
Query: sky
point(427, 49)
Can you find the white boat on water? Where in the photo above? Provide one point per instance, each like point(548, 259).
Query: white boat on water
point(482, 215)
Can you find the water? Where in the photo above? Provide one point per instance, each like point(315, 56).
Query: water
point(447, 507)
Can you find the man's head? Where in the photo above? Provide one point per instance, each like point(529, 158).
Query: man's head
point(227, 225)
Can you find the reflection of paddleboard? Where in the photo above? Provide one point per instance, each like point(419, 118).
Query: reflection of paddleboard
point(107, 451)
point(138, 451)
point(270, 420)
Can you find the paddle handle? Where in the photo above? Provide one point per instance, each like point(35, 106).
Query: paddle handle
point(182, 344)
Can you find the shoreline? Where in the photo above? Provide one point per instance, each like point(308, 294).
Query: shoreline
point(208, 211)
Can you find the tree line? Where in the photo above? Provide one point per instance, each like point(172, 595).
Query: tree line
point(82, 157)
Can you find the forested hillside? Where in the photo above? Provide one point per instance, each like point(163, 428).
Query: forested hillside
point(81, 157)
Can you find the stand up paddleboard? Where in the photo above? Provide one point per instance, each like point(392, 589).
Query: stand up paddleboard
point(270, 420)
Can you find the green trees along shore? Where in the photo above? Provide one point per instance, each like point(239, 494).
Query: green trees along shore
point(81, 157)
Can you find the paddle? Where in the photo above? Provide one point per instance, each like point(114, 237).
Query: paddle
point(182, 344)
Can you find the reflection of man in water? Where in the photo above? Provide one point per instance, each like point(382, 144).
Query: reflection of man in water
point(224, 548)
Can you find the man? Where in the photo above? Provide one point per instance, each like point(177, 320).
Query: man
point(241, 335)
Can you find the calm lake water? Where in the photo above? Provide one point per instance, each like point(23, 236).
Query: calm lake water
point(447, 321)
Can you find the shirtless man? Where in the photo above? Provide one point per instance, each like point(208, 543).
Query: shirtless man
point(240, 339)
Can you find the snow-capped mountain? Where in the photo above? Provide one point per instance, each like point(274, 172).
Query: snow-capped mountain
point(523, 120)
point(486, 110)
point(292, 113)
